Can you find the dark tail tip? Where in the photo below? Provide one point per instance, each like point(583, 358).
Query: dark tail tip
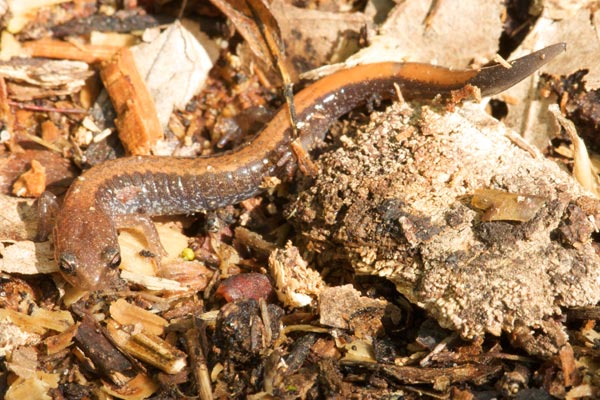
point(497, 78)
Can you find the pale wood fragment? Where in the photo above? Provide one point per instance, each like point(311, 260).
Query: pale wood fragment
point(129, 314)
point(147, 347)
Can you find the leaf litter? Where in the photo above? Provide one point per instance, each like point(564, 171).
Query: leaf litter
point(489, 279)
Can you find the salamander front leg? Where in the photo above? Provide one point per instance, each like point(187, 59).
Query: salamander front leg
point(47, 210)
point(143, 224)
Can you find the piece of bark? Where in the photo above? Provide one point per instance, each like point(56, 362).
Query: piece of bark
point(122, 21)
point(106, 358)
point(419, 375)
point(338, 304)
point(23, 13)
point(31, 78)
point(395, 198)
point(137, 121)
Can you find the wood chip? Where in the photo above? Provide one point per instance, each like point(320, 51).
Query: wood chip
point(36, 387)
point(59, 320)
point(31, 183)
point(149, 348)
point(23, 321)
point(569, 367)
point(296, 285)
point(61, 341)
point(140, 387)
point(129, 314)
point(58, 49)
point(27, 257)
point(137, 122)
point(40, 320)
point(23, 361)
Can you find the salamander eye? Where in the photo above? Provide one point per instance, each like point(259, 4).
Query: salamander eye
point(67, 264)
point(114, 258)
point(115, 262)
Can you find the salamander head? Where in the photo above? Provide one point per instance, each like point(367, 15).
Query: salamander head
point(86, 249)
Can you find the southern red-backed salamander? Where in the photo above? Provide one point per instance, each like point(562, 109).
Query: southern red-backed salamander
point(126, 192)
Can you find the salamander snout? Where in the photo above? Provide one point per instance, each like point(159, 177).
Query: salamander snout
point(85, 277)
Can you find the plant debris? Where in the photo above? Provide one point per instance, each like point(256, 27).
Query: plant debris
point(421, 251)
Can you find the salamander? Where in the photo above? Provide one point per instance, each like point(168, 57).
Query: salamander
point(126, 192)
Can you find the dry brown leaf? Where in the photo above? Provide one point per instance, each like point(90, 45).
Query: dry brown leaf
point(193, 274)
point(503, 206)
point(247, 16)
point(331, 36)
point(455, 35)
point(174, 67)
point(19, 218)
point(528, 114)
point(59, 171)
point(583, 170)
